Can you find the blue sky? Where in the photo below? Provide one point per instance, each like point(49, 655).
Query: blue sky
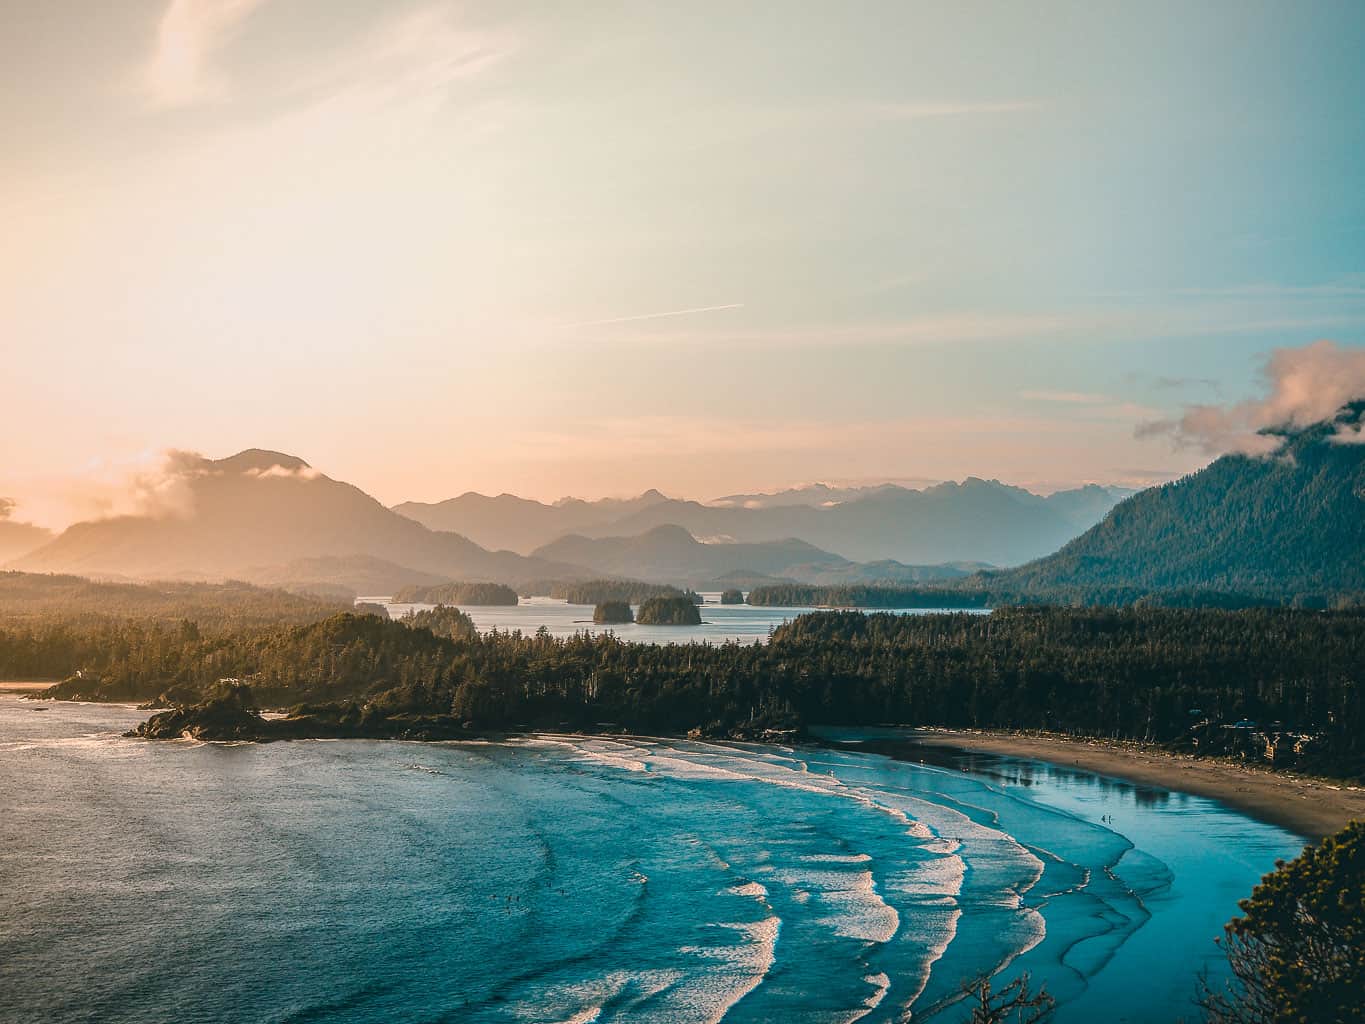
point(710, 247)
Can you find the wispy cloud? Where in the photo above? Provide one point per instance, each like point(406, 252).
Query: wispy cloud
point(1179, 383)
point(655, 316)
point(1066, 397)
point(927, 329)
point(921, 110)
point(414, 55)
point(1093, 406)
point(179, 72)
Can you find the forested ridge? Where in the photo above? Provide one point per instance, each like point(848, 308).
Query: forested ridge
point(214, 607)
point(1289, 527)
point(871, 595)
point(1142, 673)
point(601, 591)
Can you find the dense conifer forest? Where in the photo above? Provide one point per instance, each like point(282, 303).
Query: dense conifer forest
point(612, 613)
point(669, 611)
point(214, 607)
point(1143, 673)
point(469, 594)
point(856, 595)
point(600, 591)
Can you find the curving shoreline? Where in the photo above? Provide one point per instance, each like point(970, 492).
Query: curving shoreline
point(1308, 806)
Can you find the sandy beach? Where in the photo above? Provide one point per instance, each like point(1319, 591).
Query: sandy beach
point(1309, 806)
point(25, 686)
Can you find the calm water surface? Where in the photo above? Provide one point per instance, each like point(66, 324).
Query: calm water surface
point(721, 623)
point(561, 878)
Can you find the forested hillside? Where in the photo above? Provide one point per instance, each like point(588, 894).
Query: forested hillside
point(1288, 527)
point(212, 607)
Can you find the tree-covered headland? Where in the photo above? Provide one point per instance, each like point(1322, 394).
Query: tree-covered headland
point(1194, 678)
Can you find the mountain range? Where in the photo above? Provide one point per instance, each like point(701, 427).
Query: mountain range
point(520, 524)
point(670, 554)
point(270, 518)
point(1289, 526)
point(974, 521)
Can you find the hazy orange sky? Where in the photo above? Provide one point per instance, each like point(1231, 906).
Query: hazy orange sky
point(589, 249)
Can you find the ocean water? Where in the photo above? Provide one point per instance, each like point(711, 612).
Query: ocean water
point(721, 623)
point(564, 878)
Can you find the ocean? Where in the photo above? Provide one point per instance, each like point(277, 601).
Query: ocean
point(556, 878)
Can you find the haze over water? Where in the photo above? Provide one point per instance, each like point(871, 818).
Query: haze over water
point(563, 878)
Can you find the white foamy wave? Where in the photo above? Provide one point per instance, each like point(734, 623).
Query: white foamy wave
point(737, 971)
point(853, 907)
point(107, 745)
point(881, 984)
point(937, 941)
point(952, 826)
point(933, 879)
point(627, 757)
point(723, 763)
point(583, 1002)
point(836, 858)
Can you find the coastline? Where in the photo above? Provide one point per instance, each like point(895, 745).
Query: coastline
point(1308, 806)
point(23, 687)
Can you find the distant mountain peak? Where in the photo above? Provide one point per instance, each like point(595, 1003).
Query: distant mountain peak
point(258, 460)
point(670, 532)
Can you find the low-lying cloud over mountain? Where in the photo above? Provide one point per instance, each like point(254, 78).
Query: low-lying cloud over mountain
point(1284, 528)
point(262, 515)
point(1307, 385)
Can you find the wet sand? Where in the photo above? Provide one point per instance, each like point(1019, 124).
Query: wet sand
point(1308, 806)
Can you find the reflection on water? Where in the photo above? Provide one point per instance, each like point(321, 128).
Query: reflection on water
point(1015, 772)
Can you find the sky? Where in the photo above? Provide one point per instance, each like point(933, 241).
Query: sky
point(597, 247)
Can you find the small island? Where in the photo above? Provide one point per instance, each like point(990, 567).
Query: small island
point(732, 596)
point(613, 613)
point(669, 611)
point(443, 620)
point(469, 595)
